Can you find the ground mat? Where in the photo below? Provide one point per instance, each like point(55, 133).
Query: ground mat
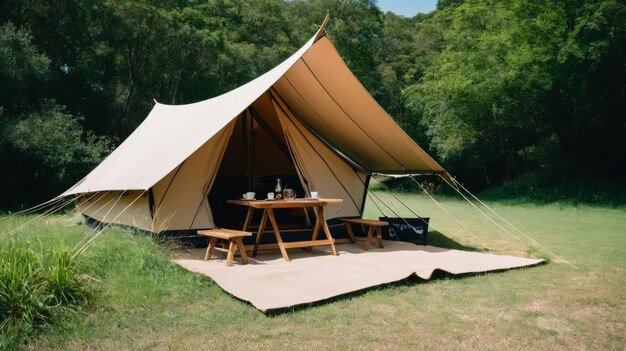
point(268, 282)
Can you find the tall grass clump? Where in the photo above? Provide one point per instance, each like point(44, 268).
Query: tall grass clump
point(36, 288)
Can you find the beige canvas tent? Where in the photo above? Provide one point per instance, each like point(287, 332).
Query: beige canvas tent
point(308, 120)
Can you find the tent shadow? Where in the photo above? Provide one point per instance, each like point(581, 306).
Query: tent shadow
point(437, 239)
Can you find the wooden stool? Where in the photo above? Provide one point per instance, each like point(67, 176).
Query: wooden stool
point(234, 242)
point(374, 226)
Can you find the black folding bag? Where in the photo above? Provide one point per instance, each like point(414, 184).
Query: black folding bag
point(412, 230)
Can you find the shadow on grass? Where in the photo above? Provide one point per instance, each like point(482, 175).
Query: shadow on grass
point(437, 239)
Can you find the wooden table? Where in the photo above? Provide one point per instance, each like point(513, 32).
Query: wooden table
point(268, 207)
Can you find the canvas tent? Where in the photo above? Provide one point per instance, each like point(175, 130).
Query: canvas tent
point(308, 120)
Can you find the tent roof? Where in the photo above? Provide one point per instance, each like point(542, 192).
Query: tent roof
point(314, 82)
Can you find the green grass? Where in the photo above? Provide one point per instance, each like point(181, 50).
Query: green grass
point(142, 301)
point(38, 286)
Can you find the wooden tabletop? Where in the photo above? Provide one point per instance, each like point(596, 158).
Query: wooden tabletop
point(298, 202)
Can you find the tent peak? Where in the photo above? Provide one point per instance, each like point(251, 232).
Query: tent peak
point(322, 31)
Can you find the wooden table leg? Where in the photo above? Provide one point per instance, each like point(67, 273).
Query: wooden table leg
point(242, 251)
point(209, 251)
point(350, 232)
point(246, 223)
point(320, 218)
point(259, 234)
point(279, 240)
point(316, 230)
point(231, 253)
point(379, 237)
point(370, 231)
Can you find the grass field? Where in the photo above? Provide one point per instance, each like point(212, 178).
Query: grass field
point(142, 301)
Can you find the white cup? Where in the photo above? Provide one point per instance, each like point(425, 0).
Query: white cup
point(249, 195)
point(314, 194)
point(270, 196)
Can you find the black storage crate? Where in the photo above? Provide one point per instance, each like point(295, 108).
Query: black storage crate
point(412, 230)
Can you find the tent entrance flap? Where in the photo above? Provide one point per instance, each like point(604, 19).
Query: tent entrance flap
point(325, 171)
point(256, 155)
point(180, 202)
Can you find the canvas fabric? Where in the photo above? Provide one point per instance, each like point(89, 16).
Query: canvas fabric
point(321, 170)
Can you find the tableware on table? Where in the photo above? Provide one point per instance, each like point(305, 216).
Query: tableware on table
point(270, 196)
point(249, 195)
point(315, 195)
point(289, 194)
point(278, 192)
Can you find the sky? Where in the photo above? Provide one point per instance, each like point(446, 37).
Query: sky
point(407, 8)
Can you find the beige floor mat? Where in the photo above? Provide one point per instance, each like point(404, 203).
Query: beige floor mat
point(268, 282)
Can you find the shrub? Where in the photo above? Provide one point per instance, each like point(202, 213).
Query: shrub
point(35, 288)
point(49, 148)
point(21, 288)
point(541, 188)
point(409, 185)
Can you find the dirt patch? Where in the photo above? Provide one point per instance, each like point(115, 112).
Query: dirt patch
point(553, 324)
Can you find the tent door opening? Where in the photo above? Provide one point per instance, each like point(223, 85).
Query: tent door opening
point(256, 156)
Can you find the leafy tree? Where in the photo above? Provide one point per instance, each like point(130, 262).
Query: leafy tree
point(40, 143)
point(355, 29)
point(22, 69)
point(54, 146)
point(509, 91)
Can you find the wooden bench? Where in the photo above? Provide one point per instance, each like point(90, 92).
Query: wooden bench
point(233, 237)
point(374, 227)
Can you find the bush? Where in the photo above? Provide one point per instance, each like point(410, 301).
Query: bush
point(409, 184)
point(541, 188)
point(49, 148)
point(35, 289)
point(56, 140)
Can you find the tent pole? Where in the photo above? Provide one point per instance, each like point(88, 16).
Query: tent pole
point(251, 143)
point(322, 30)
point(244, 147)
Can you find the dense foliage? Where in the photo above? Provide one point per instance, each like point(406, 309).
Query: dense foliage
point(493, 89)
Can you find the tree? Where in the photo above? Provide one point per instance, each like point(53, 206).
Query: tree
point(40, 143)
point(22, 70)
point(519, 85)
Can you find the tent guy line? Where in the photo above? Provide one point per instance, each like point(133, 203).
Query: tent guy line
point(428, 223)
point(455, 182)
point(75, 210)
point(97, 232)
point(56, 206)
